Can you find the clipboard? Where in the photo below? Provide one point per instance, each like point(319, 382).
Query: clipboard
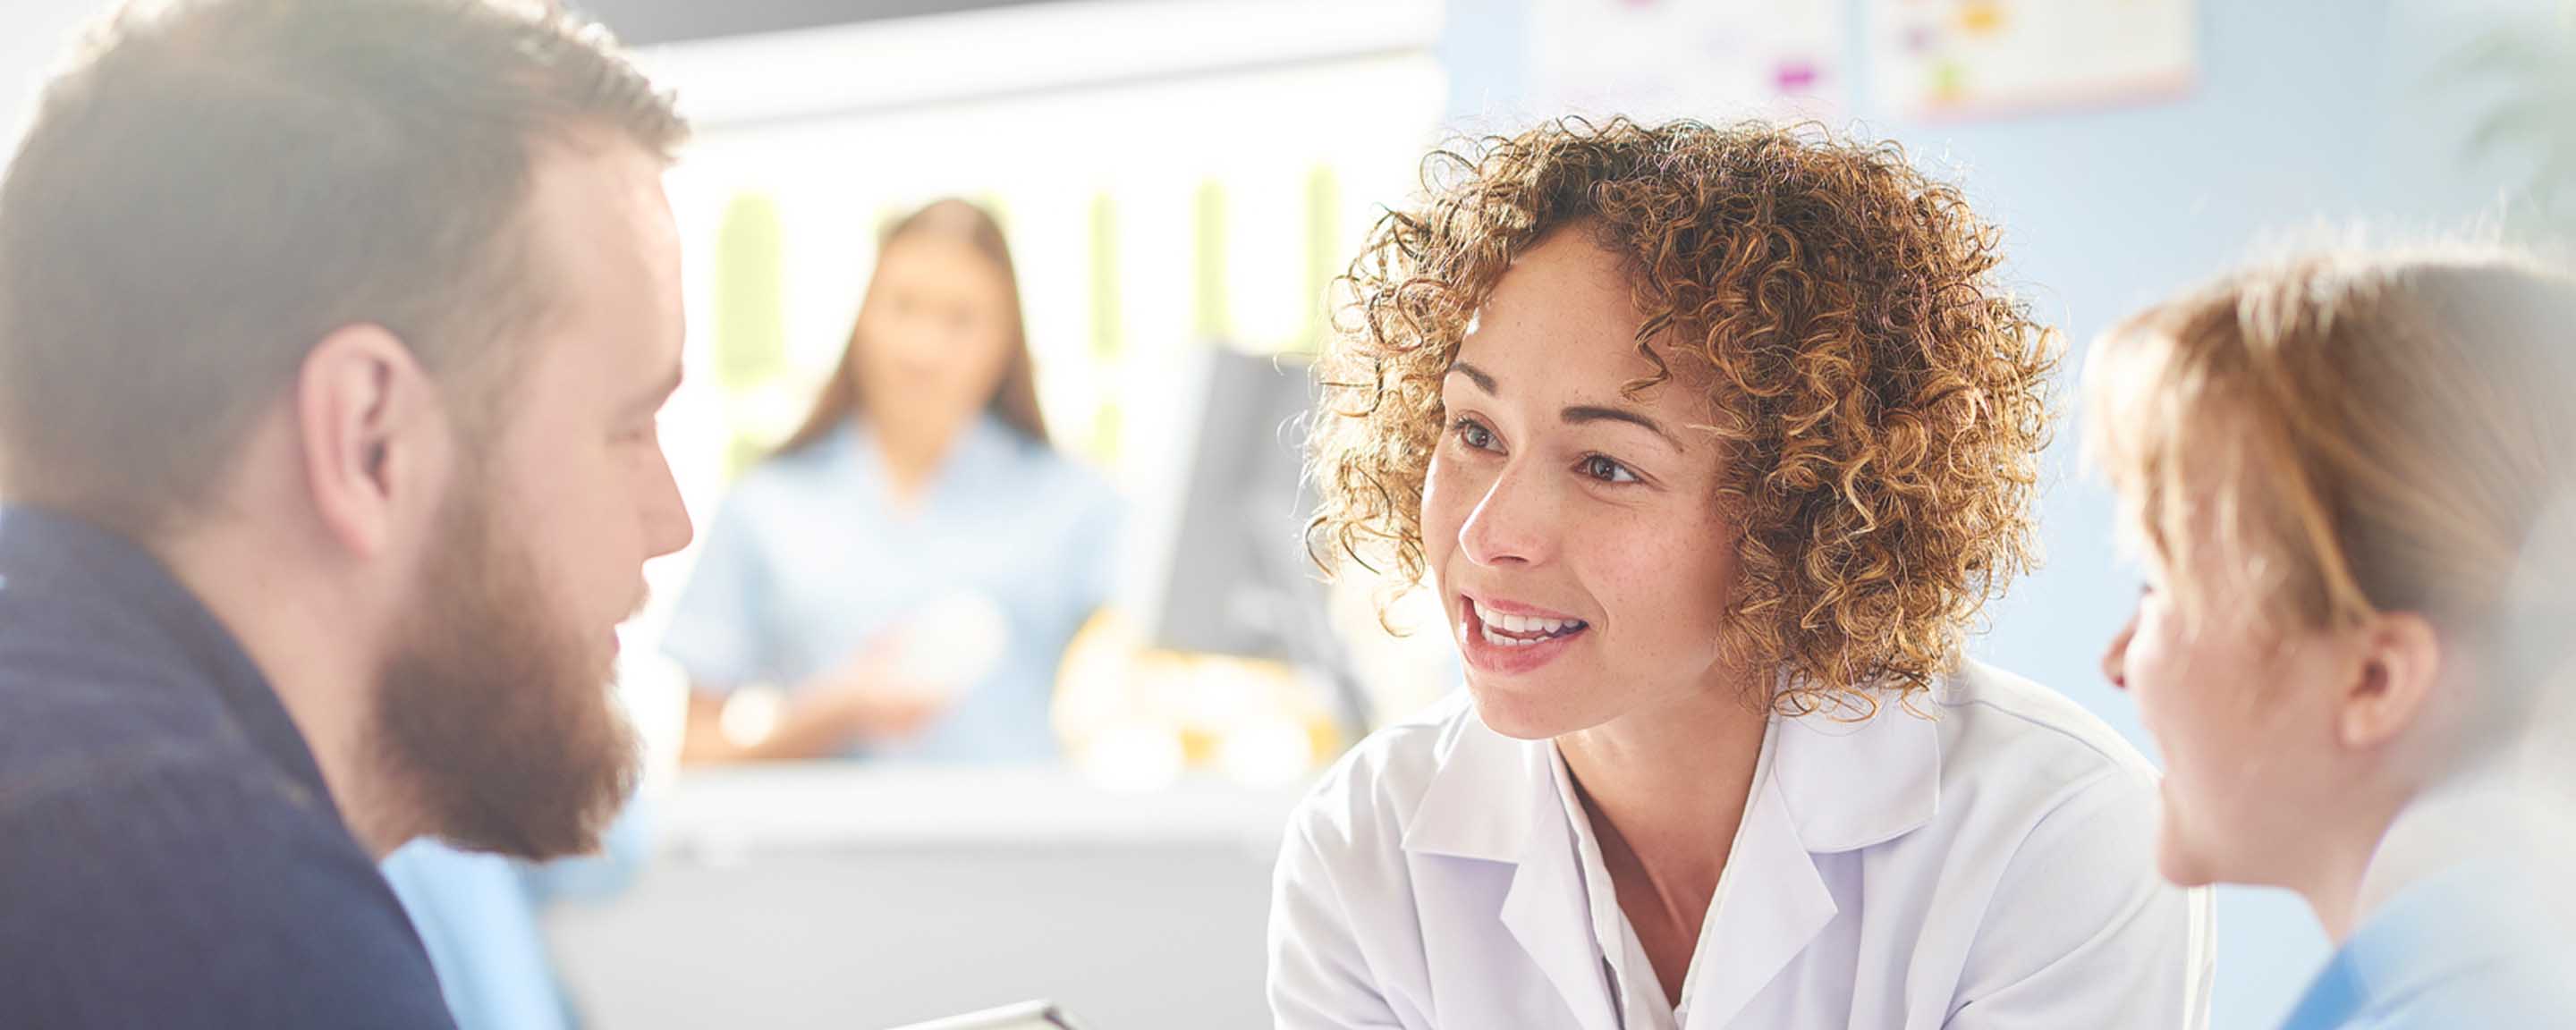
point(1029, 1015)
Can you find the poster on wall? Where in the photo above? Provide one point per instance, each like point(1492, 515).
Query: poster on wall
point(1937, 59)
point(1707, 59)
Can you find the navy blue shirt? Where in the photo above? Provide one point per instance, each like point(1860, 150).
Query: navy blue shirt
point(169, 854)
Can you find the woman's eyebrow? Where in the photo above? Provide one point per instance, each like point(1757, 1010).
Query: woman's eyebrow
point(1583, 413)
point(1483, 380)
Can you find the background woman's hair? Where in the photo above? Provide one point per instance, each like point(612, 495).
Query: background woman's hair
point(1015, 400)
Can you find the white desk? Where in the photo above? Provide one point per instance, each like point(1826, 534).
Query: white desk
point(856, 898)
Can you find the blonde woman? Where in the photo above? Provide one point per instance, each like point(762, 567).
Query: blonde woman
point(2349, 478)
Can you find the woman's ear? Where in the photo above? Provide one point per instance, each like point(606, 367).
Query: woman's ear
point(2392, 683)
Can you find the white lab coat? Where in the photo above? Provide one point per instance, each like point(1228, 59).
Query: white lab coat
point(1992, 866)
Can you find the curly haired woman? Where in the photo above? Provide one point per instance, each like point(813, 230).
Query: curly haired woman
point(1713, 442)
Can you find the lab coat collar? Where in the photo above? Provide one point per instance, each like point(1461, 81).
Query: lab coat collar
point(1852, 778)
point(1772, 902)
point(1494, 799)
point(1835, 785)
point(1844, 781)
point(1550, 914)
point(1480, 801)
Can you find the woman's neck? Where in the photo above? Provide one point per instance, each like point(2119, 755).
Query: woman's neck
point(913, 450)
point(1666, 790)
point(1661, 774)
point(2337, 855)
point(2332, 887)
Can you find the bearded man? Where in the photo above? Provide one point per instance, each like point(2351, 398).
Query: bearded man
point(332, 338)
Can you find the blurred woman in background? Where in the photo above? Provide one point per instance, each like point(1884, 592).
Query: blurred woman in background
point(901, 578)
point(2352, 481)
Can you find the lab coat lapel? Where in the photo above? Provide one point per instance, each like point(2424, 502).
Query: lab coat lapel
point(1549, 914)
point(1776, 901)
point(1494, 800)
point(1836, 784)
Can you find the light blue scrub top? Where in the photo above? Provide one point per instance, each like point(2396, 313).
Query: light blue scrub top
point(2468, 948)
point(811, 557)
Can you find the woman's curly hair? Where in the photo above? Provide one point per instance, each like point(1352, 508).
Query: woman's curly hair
point(1881, 396)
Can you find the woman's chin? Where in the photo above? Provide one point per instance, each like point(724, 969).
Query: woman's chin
point(1518, 716)
point(2179, 859)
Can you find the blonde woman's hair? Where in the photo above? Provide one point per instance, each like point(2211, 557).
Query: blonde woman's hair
point(2348, 433)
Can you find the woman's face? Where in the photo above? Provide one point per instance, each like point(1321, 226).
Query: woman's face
point(2244, 720)
point(1573, 531)
point(935, 335)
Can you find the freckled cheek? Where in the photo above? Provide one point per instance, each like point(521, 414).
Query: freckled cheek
point(1651, 581)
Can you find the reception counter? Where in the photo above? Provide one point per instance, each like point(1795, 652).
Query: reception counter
point(854, 898)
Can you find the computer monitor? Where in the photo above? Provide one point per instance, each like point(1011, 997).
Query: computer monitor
point(1236, 577)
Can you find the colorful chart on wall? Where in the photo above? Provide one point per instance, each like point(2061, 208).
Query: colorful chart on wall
point(1706, 59)
point(1969, 58)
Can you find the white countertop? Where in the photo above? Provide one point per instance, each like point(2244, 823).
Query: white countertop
point(718, 814)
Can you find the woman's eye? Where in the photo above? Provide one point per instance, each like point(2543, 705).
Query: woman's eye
point(1474, 434)
point(1606, 470)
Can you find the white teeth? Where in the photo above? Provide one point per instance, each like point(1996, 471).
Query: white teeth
point(1525, 630)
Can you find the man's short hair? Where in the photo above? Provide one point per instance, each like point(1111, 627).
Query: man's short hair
point(213, 186)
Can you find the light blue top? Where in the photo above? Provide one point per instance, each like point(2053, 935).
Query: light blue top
point(2473, 947)
point(477, 916)
point(811, 558)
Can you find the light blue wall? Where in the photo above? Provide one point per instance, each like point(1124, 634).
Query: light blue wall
point(2307, 113)
point(33, 35)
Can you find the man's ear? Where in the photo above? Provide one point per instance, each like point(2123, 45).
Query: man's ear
point(373, 433)
point(2391, 686)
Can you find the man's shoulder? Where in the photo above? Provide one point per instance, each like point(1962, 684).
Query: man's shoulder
point(73, 732)
point(184, 886)
point(154, 812)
